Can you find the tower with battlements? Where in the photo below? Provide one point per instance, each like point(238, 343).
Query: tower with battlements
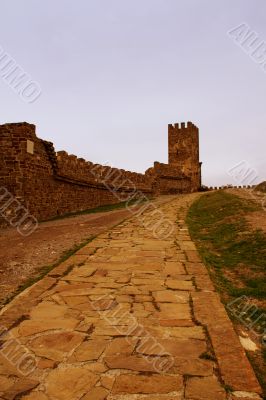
point(183, 151)
point(182, 174)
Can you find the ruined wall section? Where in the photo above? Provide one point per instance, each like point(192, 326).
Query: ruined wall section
point(167, 180)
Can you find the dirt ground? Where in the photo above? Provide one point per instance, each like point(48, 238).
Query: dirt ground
point(257, 219)
point(22, 257)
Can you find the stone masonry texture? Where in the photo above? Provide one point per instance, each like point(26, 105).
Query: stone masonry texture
point(125, 318)
point(50, 184)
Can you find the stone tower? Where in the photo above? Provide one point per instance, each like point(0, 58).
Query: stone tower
point(183, 152)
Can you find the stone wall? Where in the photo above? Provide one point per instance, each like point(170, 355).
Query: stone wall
point(50, 184)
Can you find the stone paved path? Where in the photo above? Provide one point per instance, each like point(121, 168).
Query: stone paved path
point(129, 317)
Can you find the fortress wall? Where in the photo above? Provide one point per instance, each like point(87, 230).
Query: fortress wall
point(51, 184)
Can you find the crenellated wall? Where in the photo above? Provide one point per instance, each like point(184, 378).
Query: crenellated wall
point(49, 184)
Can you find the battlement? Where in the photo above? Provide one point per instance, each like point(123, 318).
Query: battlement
point(182, 126)
point(70, 166)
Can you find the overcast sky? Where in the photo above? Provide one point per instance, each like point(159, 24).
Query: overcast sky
point(114, 73)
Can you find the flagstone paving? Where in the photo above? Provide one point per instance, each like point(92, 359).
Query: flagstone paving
point(129, 317)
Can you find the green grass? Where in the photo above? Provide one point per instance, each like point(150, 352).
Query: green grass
point(217, 224)
point(105, 208)
point(234, 253)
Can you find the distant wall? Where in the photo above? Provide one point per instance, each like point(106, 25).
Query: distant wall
point(252, 187)
point(50, 184)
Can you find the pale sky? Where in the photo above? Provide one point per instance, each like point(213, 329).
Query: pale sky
point(114, 73)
